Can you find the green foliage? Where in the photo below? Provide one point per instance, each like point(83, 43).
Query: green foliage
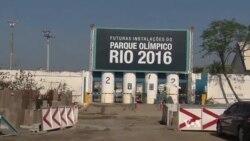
point(3, 80)
point(198, 69)
point(221, 36)
point(216, 68)
point(20, 81)
point(210, 101)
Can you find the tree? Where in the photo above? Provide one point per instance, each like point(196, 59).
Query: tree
point(216, 68)
point(220, 39)
point(20, 81)
point(198, 69)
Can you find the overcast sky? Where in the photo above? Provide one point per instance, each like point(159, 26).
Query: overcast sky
point(69, 21)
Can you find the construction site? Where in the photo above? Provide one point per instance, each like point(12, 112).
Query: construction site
point(130, 92)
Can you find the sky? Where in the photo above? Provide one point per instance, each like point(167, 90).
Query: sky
point(69, 21)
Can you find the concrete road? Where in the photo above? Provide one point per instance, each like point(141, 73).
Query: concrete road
point(117, 128)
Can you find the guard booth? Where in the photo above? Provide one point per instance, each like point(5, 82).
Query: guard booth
point(116, 87)
point(150, 88)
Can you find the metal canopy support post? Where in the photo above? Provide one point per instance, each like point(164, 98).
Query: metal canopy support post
point(89, 87)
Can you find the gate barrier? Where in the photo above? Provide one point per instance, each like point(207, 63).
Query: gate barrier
point(192, 117)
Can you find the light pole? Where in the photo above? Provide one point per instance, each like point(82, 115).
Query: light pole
point(48, 35)
point(12, 28)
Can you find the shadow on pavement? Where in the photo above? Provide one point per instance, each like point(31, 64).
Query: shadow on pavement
point(225, 137)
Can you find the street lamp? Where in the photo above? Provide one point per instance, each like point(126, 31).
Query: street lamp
point(12, 24)
point(47, 34)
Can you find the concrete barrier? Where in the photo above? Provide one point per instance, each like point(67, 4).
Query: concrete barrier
point(192, 117)
point(59, 117)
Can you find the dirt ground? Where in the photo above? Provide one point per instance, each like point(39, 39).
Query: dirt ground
point(116, 128)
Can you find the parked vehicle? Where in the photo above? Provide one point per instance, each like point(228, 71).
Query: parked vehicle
point(235, 121)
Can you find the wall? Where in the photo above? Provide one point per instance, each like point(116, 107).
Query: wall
point(81, 82)
point(18, 107)
point(73, 81)
point(217, 85)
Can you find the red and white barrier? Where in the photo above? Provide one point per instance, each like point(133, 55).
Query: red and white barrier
point(47, 119)
point(189, 119)
point(199, 118)
point(209, 118)
point(70, 116)
point(76, 115)
point(64, 118)
point(55, 118)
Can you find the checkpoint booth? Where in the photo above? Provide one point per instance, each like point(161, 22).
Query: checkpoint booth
point(192, 117)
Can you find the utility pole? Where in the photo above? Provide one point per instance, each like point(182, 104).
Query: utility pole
point(48, 36)
point(12, 24)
